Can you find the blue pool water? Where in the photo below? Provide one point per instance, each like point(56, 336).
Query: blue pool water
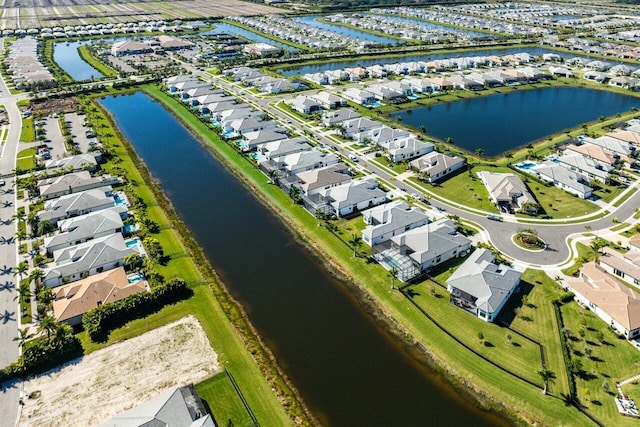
point(133, 243)
point(132, 278)
point(526, 165)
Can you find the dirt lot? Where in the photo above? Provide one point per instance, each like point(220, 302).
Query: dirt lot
point(94, 388)
point(51, 106)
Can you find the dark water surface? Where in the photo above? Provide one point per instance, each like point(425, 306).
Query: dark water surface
point(501, 122)
point(349, 371)
point(66, 55)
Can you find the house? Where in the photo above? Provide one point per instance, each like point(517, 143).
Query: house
point(179, 407)
point(361, 126)
point(77, 204)
point(482, 287)
point(566, 179)
point(631, 138)
point(421, 248)
point(616, 304)
point(361, 97)
point(75, 163)
point(80, 229)
point(586, 166)
point(250, 124)
point(173, 43)
point(388, 220)
point(72, 300)
point(560, 72)
point(306, 160)
point(634, 243)
point(595, 76)
point(261, 49)
point(329, 101)
point(408, 148)
point(305, 104)
point(333, 118)
point(75, 182)
point(626, 266)
point(317, 180)
point(354, 196)
point(420, 85)
point(620, 148)
point(92, 257)
point(508, 189)
point(436, 166)
point(282, 147)
point(250, 140)
point(594, 152)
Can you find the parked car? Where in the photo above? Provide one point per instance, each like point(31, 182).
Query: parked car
point(3, 182)
point(494, 217)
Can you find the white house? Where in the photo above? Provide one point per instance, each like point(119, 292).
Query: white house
point(437, 165)
point(388, 220)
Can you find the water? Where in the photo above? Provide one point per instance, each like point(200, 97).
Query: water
point(249, 35)
point(351, 32)
point(317, 68)
point(348, 371)
point(502, 122)
point(66, 55)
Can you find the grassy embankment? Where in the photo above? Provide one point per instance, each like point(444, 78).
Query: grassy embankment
point(87, 57)
point(302, 47)
point(25, 160)
point(450, 356)
point(213, 307)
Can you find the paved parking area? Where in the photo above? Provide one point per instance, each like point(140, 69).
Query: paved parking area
point(54, 138)
point(79, 131)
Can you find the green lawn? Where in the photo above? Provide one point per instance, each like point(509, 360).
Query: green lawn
point(25, 160)
point(27, 133)
point(373, 280)
point(219, 393)
point(612, 360)
point(585, 254)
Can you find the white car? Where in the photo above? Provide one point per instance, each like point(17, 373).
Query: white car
point(3, 182)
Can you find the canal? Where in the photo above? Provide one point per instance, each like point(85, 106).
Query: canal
point(501, 122)
point(224, 28)
point(312, 20)
point(66, 55)
point(348, 370)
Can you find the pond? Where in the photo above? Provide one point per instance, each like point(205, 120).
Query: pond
point(350, 32)
point(501, 122)
point(66, 55)
point(348, 370)
point(222, 27)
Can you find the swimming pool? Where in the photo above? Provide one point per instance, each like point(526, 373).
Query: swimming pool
point(526, 165)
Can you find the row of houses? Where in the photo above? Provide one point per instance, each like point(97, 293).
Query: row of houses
point(264, 83)
point(162, 43)
point(24, 66)
point(109, 29)
point(592, 46)
point(598, 287)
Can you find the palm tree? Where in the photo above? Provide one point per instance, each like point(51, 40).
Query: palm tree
point(24, 291)
point(547, 377)
point(32, 220)
point(21, 236)
point(22, 268)
point(479, 152)
point(36, 276)
point(47, 325)
point(393, 273)
point(355, 243)
point(23, 336)
point(19, 215)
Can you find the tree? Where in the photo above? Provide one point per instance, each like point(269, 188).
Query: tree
point(132, 260)
point(32, 220)
point(479, 152)
point(21, 269)
point(393, 274)
point(154, 248)
point(588, 351)
point(45, 227)
point(294, 193)
point(47, 325)
point(23, 336)
point(547, 377)
point(21, 235)
point(481, 337)
point(45, 295)
point(24, 291)
point(36, 276)
point(575, 366)
point(355, 242)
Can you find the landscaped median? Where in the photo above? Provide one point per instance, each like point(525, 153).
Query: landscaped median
point(455, 351)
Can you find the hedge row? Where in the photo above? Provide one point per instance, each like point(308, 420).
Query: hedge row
point(44, 354)
point(100, 321)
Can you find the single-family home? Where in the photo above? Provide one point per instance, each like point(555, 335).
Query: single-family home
point(587, 166)
point(354, 196)
point(333, 118)
point(560, 72)
point(250, 124)
point(564, 178)
point(274, 149)
point(79, 229)
point(482, 287)
point(329, 101)
point(305, 104)
point(75, 182)
point(626, 266)
point(435, 166)
point(595, 76)
point(361, 97)
point(179, 406)
point(76, 204)
point(75, 163)
point(358, 128)
point(507, 189)
point(620, 148)
point(92, 257)
point(72, 300)
point(408, 148)
point(388, 220)
point(306, 160)
point(591, 151)
point(616, 304)
point(316, 180)
point(251, 140)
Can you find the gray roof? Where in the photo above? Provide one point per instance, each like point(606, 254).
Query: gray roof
point(308, 160)
point(354, 192)
point(562, 175)
point(76, 162)
point(489, 283)
point(431, 240)
point(73, 182)
point(435, 162)
point(85, 227)
point(180, 407)
point(86, 256)
point(323, 177)
point(85, 201)
point(392, 216)
point(282, 147)
point(335, 117)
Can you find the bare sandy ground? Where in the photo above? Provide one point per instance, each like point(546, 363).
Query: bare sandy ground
point(94, 388)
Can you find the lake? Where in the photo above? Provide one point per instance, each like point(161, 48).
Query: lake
point(501, 122)
point(348, 370)
point(221, 27)
point(66, 55)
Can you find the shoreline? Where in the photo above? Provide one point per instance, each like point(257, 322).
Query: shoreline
point(367, 302)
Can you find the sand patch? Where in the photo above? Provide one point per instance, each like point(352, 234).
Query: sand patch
point(96, 387)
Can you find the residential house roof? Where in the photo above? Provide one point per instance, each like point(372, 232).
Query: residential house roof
point(73, 182)
point(354, 192)
point(562, 175)
point(78, 202)
point(77, 162)
point(85, 227)
point(408, 146)
point(76, 298)
point(618, 146)
point(617, 300)
point(282, 147)
point(435, 163)
point(628, 263)
point(306, 160)
point(595, 152)
point(506, 187)
point(489, 283)
point(389, 217)
point(625, 135)
point(325, 177)
point(334, 117)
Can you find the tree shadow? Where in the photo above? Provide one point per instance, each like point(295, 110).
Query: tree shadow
point(596, 402)
point(488, 344)
point(516, 344)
